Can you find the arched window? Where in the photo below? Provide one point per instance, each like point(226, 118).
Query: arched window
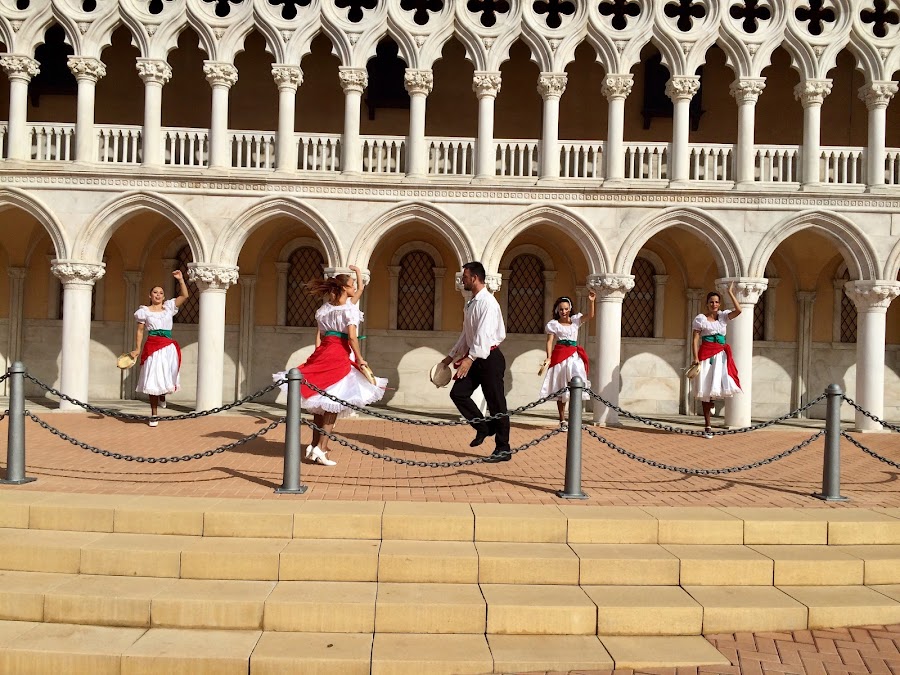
point(304, 264)
point(525, 309)
point(848, 313)
point(415, 292)
point(190, 308)
point(638, 307)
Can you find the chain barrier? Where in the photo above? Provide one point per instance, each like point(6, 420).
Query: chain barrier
point(106, 412)
point(154, 460)
point(874, 418)
point(703, 472)
point(698, 433)
point(433, 465)
point(3, 415)
point(4, 377)
point(869, 451)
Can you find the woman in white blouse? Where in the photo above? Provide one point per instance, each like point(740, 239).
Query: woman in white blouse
point(718, 378)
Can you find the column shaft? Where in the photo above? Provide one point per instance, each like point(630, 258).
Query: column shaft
point(245, 348)
point(611, 290)
point(740, 337)
point(288, 78)
point(353, 82)
point(551, 87)
point(154, 73)
point(486, 86)
point(418, 84)
point(86, 71)
point(746, 92)
point(212, 281)
point(221, 77)
point(19, 70)
point(811, 94)
point(876, 95)
point(681, 90)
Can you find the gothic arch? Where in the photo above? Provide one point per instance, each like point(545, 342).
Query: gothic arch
point(14, 198)
point(227, 247)
point(368, 238)
point(527, 249)
point(724, 247)
point(856, 248)
point(892, 266)
point(417, 245)
point(564, 219)
point(90, 244)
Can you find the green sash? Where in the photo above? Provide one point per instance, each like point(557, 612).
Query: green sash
point(160, 333)
point(567, 343)
point(714, 338)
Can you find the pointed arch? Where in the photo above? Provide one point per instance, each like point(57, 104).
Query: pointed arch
point(854, 245)
point(892, 266)
point(368, 238)
point(90, 244)
point(14, 198)
point(560, 217)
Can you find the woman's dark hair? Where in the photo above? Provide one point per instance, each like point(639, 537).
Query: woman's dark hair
point(713, 294)
point(328, 289)
point(563, 298)
point(477, 270)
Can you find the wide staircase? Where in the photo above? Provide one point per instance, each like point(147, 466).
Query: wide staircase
point(134, 584)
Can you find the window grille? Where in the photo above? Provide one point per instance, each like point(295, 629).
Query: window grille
point(415, 292)
point(190, 308)
point(525, 309)
point(848, 315)
point(759, 317)
point(638, 305)
point(306, 264)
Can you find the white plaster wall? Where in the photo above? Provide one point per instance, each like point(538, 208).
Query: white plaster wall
point(774, 372)
point(651, 375)
point(833, 362)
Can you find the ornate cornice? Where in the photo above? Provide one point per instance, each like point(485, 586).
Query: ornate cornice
point(747, 89)
point(218, 277)
point(812, 92)
point(75, 272)
point(747, 289)
point(353, 79)
point(486, 84)
point(682, 87)
point(617, 86)
point(877, 94)
point(610, 286)
point(552, 85)
point(286, 76)
point(19, 67)
point(154, 71)
point(872, 295)
point(418, 81)
point(220, 74)
point(86, 68)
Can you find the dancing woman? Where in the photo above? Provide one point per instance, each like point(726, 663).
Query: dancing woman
point(335, 364)
point(565, 358)
point(718, 378)
point(161, 355)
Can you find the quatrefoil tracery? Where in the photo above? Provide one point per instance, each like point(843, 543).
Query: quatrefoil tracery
point(554, 9)
point(752, 12)
point(488, 10)
point(421, 8)
point(816, 15)
point(356, 8)
point(685, 11)
point(223, 7)
point(619, 10)
point(880, 18)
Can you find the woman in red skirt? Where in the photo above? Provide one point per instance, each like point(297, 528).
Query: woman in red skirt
point(330, 367)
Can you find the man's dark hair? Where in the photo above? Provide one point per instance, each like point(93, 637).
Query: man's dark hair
point(476, 269)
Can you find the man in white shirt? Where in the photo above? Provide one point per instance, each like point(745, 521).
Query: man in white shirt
point(480, 363)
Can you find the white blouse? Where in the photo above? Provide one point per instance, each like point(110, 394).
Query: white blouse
point(338, 318)
point(564, 331)
point(482, 327)
point(157, 320)
point(706, 327)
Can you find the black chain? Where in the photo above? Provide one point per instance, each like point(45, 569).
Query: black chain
point(868, 451)
point(695, 432)
point(4, 376)
point(106, 412)
point(704, 472)
point(433, 465)
point(154, 460)
point(3, 415)
point(859, 408)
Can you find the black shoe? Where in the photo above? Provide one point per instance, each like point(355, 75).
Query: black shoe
point(498, 456)
point(479, 438)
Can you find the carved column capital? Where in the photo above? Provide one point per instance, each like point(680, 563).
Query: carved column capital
point(282, 267)
point(552, 85)
point(16, 273)
point(610, 287)
point(871, 296)
point(217, 277)
point(247, 280)
point(418, 81)
point(286, 76)
point(682, 87)
point(812, 92)
point(220, 74)
point(617, 86)
point(353, 79)
point(747, 289)
point(154, 71)
point(493, 282)
point(79, 273)
point(877, 94)
point(747, 89)
point(86, 68)
point(19, 67)
point(486, 84)
point(806, 297)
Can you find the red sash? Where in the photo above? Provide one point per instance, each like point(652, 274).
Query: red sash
point(561, 352)
point(156, 342)
point(330, 363)
point(709, 349)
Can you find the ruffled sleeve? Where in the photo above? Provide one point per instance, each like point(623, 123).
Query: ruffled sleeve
point(725, 316)
point(353, 314)
point(698, 323)
point(170, 306)
point(577, 319)
point(548, 329)
point(141, 314)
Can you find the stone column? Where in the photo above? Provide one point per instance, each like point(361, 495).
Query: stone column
point(133, 279)
point(287, 78)
point(78, 281)
point(16, 327)
point(550, 295)
point(877, 95)
point(769, 330)
point(681, 89)
point(281, 270)
point(418, 84)
point(659, 303)
point(806, 300)
point(616, 88)
point(740, 336)
point(611, 290)
point(551, 87)
point(87, 72)
point(581, 304)
point(19, 70)
point(439, 274)
point(811, 94)
point(746, 91)
point(394, 299)
point(486, 86)
point(353, 82)
point(154, 73)
point(503, 298)
point(212, 281)
point(245, 341)
point(221, 77)
point(872, 299)
point(695, 297)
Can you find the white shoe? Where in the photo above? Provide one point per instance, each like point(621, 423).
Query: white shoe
point(309, 451)
point(153, 423)
point(320, 457)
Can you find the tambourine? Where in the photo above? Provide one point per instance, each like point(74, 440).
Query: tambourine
point(125, 361)
point(367, 373)
point(543, 369)
point(692, 371)
point(440, 375)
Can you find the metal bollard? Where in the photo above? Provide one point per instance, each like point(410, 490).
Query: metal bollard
point(15, 443)
point(290, 484)
point(831, 468)
point(573, 445)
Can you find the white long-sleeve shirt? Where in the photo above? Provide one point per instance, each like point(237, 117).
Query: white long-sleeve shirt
point(482, 327)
